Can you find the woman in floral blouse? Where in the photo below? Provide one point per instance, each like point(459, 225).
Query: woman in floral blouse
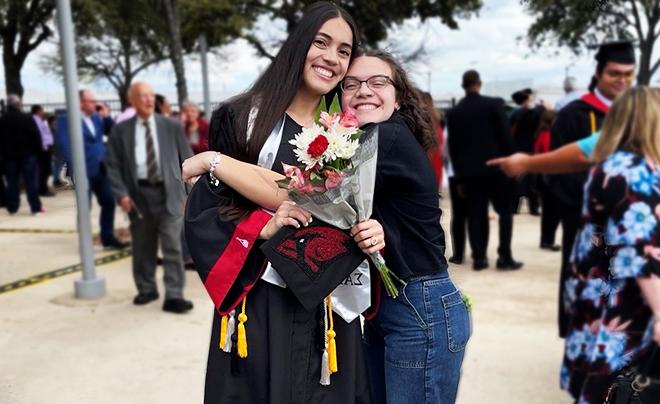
point(613, 293)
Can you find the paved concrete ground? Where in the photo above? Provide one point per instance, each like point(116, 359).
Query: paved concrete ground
point(57, 350)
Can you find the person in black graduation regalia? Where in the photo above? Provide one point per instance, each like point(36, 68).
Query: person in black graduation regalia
point(524, 124)
point(281, 361)
point(615, 72)
point(416, 342)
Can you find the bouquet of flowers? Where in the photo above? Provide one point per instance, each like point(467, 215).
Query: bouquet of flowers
point(336, 181)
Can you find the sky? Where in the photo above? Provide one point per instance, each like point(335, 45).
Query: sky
point(489, 43)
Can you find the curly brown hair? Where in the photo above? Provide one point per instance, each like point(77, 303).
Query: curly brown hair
point(412, 107)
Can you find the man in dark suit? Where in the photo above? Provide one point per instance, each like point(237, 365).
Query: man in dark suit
point(92, 131)
point(144, 162)
point(20, 145)
point(478, 131)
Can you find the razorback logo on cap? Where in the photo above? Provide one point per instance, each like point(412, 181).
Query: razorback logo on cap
point(315, 248)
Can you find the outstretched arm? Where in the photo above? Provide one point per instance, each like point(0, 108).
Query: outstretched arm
point(566, 159)
point(253, 182)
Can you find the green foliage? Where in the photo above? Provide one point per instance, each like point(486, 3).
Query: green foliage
point(220, 20)
point(335, 107)
point(24, 25)
point(373, 17)
point(117, 39)
point(577, 24)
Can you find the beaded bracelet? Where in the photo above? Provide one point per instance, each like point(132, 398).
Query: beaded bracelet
point(214, 163)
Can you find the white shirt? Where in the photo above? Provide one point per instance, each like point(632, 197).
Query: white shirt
point(90, 124)
point(602, 98)
point(446, 160)
point(141, 147)
point(570, 97)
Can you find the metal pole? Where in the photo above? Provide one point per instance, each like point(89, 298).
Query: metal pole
point(203, 49)
point(90, 286)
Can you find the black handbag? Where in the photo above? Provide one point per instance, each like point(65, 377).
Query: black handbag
point(636, 385)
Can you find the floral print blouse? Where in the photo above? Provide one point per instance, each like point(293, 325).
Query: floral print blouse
point(610, 323)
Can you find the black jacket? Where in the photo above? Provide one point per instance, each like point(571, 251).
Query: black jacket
point(478, 131)
point(574, 122)
point(19, 135)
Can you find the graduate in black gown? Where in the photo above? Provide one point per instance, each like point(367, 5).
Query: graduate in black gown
point(524, 125)
point(224, 229)
point(614, 74)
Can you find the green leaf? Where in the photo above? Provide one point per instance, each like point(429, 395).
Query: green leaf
point(319, 109)
point(335, 107)
point(314, 176)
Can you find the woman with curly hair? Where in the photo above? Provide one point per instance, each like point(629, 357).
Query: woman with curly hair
point(416, 342)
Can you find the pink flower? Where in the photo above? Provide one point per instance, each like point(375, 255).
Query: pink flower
point(328, 120)
point(349, 119)
point(332, 178)
point(318, 146)
point(298, 180)
point(289, 170)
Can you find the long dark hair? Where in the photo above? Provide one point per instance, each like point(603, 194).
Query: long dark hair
point(275, 89)
point(412, 107)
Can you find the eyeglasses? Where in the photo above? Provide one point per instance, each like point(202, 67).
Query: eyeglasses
point(378, 82)
point(619, 75)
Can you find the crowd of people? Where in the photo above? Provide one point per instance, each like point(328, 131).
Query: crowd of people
point(412, 346)
point(35, 155)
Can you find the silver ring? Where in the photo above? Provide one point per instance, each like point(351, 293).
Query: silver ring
point(374, 241)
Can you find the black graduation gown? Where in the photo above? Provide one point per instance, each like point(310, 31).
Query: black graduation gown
point(575, 121)
point(284, 340)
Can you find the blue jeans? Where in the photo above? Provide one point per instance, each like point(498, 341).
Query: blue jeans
point(27, 169)
point(416, 342)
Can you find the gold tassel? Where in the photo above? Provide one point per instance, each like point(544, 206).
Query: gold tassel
point(332, 345)
point(325, 367)
point(223, 331)
point(242, 337)
point(227, 326)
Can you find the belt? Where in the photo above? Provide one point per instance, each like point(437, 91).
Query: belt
point(147, 183)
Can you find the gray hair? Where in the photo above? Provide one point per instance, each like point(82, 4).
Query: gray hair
point(14, 100)
point(190, 104)
point(569, 83)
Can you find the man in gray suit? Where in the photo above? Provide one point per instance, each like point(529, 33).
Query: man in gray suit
point(144, 165)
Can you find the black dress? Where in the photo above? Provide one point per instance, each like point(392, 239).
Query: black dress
point(284, 340)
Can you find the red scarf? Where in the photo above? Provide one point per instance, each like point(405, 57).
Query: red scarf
point(594, 101)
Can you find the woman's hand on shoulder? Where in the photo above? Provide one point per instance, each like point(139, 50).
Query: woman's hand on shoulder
point(288, 214)
point(369, 236)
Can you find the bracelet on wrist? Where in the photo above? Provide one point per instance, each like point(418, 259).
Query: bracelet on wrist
point(214, 163)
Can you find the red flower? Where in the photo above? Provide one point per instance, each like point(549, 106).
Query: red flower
point(318, 146)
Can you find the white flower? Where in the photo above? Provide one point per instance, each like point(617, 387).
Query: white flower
point(639, 222)
point(301, 142)
point(340, 144)
point(626, 263)
point(617, 164)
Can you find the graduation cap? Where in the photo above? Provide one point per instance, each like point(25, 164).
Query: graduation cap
point(519, 97)
point(618, 52)
point(313, 260)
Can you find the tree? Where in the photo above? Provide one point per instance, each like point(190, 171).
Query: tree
point(219, 20)
point(578, 24)
point(373, 17)
point(24, 25)
point(115, 41)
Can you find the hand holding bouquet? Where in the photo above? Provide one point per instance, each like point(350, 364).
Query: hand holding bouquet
point(336, 180)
